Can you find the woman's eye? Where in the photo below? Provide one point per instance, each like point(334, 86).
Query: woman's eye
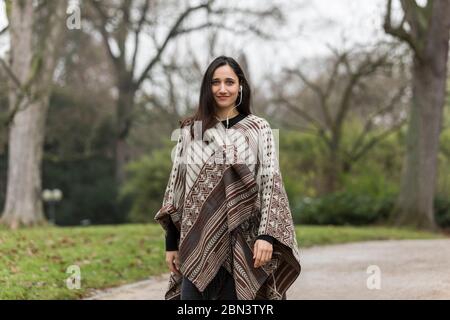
point(217, 83)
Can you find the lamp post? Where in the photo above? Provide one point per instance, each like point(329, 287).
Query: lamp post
point(52, 196)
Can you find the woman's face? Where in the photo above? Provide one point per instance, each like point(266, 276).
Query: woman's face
point(225, 86)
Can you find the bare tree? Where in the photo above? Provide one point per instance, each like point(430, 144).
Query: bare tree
point(426, 30)
point(36, 28)
point(120, 21)
point(335, 92)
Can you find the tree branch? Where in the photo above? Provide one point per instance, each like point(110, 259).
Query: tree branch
point(172, 33)
point(320, 129)
point(23, 97)
point(365, 68)
point(318, 90)
point(368, 124)
point(309, 83)
point(332, 80)
point(400, 31)
point(246, 24)
point(302, 113)
point(376, 139)
point(6, 28)
point(104, 33)
point(11, 74)
point(137, 33)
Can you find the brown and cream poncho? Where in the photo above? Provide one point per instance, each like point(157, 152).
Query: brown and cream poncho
point(223, 192)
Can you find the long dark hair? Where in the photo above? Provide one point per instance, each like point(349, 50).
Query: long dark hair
point(207, 104)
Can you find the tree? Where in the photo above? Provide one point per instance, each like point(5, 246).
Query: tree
point(122, 22)
point(338, 94)
point(118, 23)
point(426, 30)
point(36, 29)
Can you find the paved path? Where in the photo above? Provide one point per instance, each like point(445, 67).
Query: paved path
point(408, 269)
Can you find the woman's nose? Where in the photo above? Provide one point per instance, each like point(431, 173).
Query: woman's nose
point(222, 88)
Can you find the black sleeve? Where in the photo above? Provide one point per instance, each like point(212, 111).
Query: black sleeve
point(172, 237)
point(266, 238)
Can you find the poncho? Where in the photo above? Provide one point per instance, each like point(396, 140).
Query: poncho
point(224, 190)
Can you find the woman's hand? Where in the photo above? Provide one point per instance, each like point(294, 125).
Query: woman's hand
point(173, 261)
point(262, 252)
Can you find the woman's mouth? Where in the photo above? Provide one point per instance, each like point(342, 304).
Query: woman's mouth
point(222, 98)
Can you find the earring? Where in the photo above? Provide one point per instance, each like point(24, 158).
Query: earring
point(240, 97)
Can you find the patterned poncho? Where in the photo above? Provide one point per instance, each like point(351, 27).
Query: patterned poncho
point(225, 190)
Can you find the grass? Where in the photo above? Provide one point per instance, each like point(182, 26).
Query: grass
point(34, 262)
point(308, 236)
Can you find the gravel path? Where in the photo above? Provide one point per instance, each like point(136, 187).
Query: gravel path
point(407, 269)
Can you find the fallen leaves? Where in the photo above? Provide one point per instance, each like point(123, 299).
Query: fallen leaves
point(14, 269)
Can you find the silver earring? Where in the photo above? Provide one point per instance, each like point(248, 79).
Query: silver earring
point(240, 97)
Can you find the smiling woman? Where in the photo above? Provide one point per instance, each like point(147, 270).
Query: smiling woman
point(230, 233)
point(224, 84)
point(226, 88)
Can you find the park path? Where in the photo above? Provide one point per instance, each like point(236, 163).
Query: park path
point(408, 269)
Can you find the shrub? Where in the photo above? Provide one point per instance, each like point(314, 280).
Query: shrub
point(147, 183)
point(442, 211)
point(342, 208)
point(345, 208)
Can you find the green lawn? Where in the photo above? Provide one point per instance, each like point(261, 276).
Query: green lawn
point(33, 262)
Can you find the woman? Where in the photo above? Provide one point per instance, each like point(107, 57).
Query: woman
point(229, 229)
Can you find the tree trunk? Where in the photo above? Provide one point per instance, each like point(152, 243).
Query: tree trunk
point(414, 206)
point(32, 63)
point(23, 198)
point(332, 171)
point(125, 105)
